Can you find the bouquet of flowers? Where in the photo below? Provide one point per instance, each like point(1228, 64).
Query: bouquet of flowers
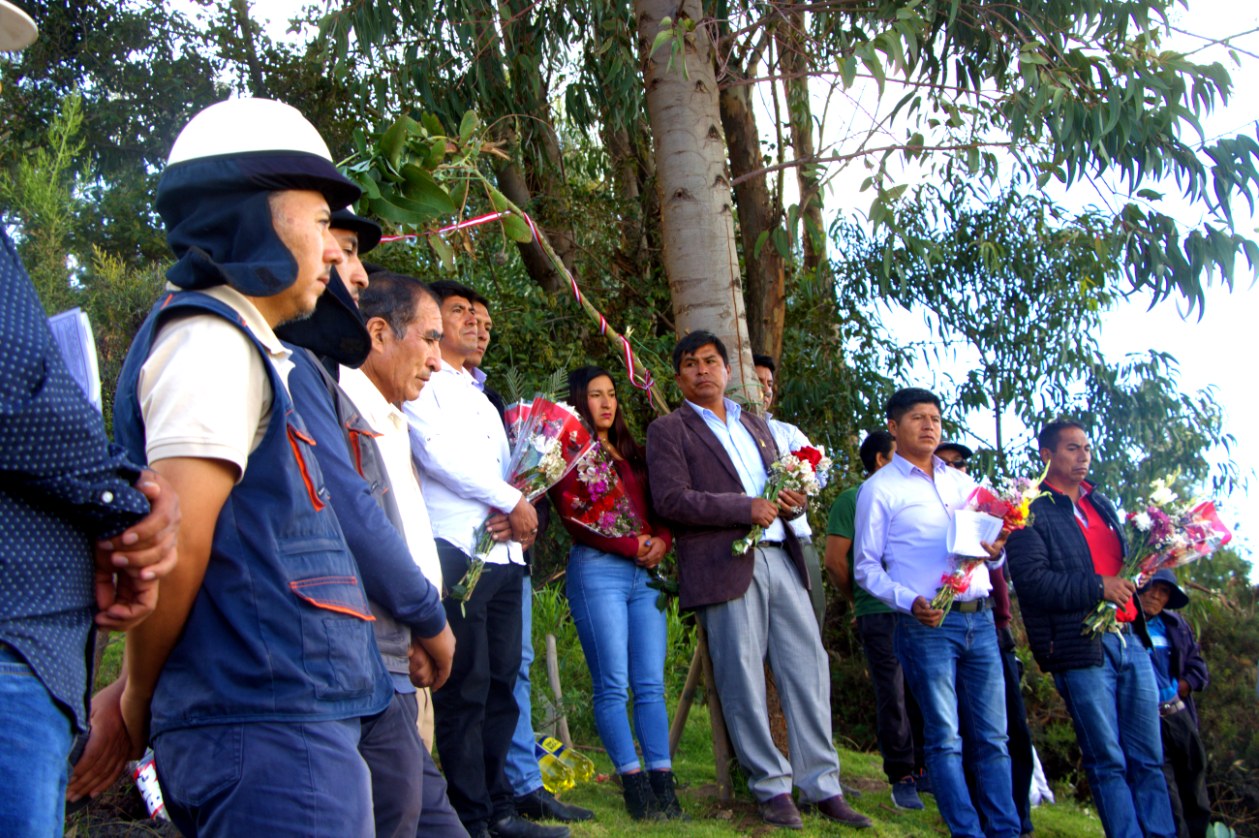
point(551, 441)
point(1165, 532)
point(795, 472)
point(597, 501)
point(1007, 507)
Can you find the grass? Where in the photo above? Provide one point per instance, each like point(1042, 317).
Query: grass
point(698, 793)
point(693, 766)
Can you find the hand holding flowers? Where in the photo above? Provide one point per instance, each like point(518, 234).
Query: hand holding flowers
point(797, 473)
point(996, 513)
point(1163, 532)
point(552, 439)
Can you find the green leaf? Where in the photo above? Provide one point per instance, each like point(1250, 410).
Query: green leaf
point(394, 140)
point(468, 126)
point(425, 193)
point(517, 230)
point(444, 252)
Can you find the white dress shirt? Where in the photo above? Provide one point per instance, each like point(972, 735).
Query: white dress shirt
point(394, 442)
point(900, 543)
point(789, 438)
point(458, 442)
point(744, 453)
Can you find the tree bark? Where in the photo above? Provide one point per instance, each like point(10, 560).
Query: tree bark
point(697, 218)
point(789, 35)
point(758, 217)
point(257, 79)
point(534, 182)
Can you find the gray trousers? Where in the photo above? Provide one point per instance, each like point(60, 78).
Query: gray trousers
point(774, 619)
point(817, 593)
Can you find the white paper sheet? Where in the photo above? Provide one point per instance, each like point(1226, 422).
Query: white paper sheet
point(968, 528)
point(72, 330)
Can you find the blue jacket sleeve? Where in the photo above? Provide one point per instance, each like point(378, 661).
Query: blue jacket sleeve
point(390, 576)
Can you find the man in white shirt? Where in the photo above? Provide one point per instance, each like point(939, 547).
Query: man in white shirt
point(901, 541)
point(789, 438)
point(460, 446)
point(533, 801)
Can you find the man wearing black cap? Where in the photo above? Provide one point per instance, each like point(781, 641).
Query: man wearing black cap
point(356, 236)
point(384, 519)
point(1179, 670)
point(259, 663)
point(956, 455)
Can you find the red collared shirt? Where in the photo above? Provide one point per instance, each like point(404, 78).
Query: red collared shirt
point(1104, 545)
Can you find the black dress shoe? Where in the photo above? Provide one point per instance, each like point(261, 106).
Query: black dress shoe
point(541, 805)
point(514, 826)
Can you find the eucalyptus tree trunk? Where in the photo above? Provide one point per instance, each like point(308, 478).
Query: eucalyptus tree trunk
point(789, 35)
point(697, 214)
point(758, 217)
point(533, 180)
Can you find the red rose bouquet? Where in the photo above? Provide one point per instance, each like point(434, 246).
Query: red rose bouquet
point(796, 472)
point(551, 441)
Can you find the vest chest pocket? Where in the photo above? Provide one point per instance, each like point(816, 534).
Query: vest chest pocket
point(337, 647)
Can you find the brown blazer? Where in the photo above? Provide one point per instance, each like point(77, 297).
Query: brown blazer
point(694, 486)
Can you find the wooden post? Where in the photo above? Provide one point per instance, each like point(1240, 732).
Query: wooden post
point(684, 702)
point(553, 675)
point(721, 740)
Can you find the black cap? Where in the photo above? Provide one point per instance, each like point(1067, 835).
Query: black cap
point(955, 446)
point(369, 231)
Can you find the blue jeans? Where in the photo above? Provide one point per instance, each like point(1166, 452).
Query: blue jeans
point(35, 739)
point(955, 672)
point(522, 765)
point(623, 635)
point(1115, 710)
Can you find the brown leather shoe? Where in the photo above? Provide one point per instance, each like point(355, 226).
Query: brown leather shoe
point(781, 811)
point(837, 809)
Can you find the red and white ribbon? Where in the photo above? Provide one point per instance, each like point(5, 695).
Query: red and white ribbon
point(644, 383)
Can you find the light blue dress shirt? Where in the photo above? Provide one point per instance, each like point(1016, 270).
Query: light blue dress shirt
point(900, 543)
point(744, 452)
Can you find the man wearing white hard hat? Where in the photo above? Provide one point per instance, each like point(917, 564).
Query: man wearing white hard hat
point(253, 674)
point(63, 487)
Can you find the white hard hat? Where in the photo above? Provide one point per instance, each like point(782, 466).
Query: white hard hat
point(249, 144)
point(243, 126)
point(17, 30)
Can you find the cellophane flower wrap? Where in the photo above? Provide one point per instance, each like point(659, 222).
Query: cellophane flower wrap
point(597, 500)
point(552, 440)
point(1011, 501)
point(798, 471)
point(1163, 532)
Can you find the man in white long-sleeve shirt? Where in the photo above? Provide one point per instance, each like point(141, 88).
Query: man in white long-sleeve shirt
point(951, 661)
point(461, 450)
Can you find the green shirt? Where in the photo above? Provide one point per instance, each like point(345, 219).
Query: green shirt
point(841, 523)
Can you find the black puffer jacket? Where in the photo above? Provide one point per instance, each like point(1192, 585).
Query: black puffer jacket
point(1056, 584)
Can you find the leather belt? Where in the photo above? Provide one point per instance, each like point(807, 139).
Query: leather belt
point(768, 543)
point(972, 605)
point(1170, 708)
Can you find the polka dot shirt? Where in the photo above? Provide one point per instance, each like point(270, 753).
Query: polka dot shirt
point(62, 486)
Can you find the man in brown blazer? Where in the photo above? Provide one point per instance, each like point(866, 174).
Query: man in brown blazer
point(708, 463)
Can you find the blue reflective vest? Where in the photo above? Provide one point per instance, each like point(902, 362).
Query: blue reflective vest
point(280, 629)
